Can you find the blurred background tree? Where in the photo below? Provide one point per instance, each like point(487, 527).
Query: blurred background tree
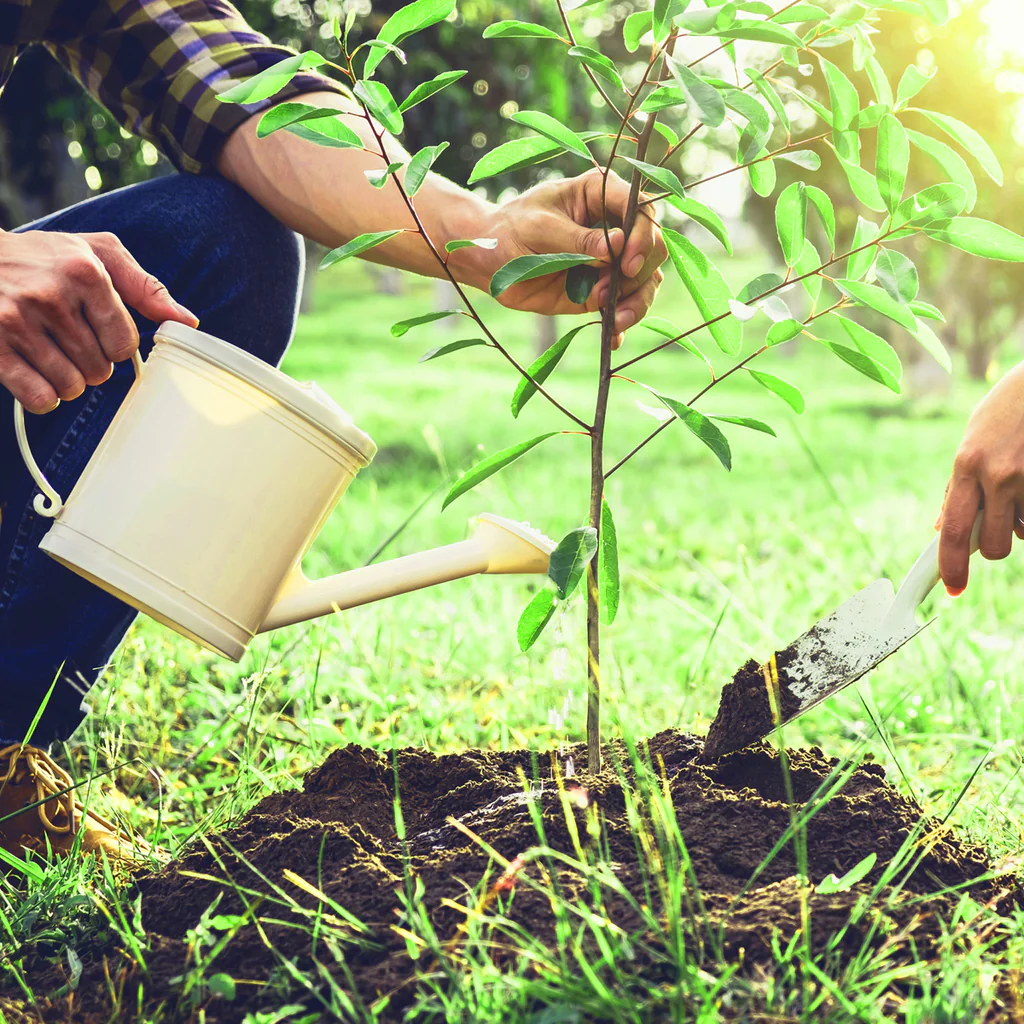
point(57, 146)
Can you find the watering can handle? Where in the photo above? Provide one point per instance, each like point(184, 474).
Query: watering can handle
point(49, 503)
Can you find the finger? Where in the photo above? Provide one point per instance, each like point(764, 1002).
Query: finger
point(996, 537)
point(644, 237)
point(632, 309)
point(77, 340)
point(595, 242)
point(958, 517)
point(27, 385)
point(140, 289)
point(47, 359)
point(617, 340)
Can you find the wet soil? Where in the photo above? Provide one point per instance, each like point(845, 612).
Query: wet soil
point(745, 712)
point(339, 835)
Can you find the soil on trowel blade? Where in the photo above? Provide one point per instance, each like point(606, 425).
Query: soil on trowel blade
point(745, 710)
point(338, 834)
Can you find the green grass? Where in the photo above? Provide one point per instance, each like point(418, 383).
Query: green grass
point(717, 568)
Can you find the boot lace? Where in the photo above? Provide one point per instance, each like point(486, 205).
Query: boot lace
point(55, 789)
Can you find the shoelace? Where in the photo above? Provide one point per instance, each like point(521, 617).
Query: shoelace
point(53, 783)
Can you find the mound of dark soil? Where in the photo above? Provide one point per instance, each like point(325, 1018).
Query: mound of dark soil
point(339, 834)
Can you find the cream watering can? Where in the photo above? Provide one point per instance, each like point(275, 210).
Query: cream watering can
point(209, 486)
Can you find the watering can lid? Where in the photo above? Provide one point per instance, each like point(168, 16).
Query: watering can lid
point(305, 398)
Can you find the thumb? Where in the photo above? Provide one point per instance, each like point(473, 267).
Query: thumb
point(137, 287)
point(594, 242)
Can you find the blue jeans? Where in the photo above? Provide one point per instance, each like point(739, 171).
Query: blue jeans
point(225, 258)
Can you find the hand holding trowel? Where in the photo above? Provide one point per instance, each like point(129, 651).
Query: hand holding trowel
point(834, 652)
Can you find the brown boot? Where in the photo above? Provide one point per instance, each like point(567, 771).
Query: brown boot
point(29, 775)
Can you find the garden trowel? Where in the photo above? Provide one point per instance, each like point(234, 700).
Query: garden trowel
point(836, 651)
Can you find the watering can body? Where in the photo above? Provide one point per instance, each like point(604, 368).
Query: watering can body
point(211, 483)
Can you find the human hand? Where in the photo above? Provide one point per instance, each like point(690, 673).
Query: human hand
point(555, 216)
point(63, 318)
point(988, 470)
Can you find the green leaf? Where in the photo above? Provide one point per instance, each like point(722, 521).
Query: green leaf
point(800, 13)
point(330, 132)
point(787, 392)
point(379, 178)
point(858, 263)
point(405, 22)
point(950, 161)
point(452, 346)
point(425, 90)
point(845, 105)
point(791, 221)
point(608, 566)
point(831, 884)
point(569, 560)
point(285, 114)
point(467, 243)
point(358, 245)
point(897, 275)
point(669, 330)
point(762, 177)
point(754, 289)
point(519, 30)
point(491, 465)
point(526, 268)
point(826, 213)
point(746, 421)
point(707, 288)
point(514, 155)
point(929, 341)
point(783, 331)
point(863, 185)
point(926, 309)
point(769, 92)
point(706, 21)
point(541, 368)
point(980, 238)
point(761, 32)
point(876, 348)
point(860, 362)
point(661, 176)
point(912, 82)
point(870, 116)
point(580, 281)
point(937, 10)
point(892, 159)
point(598, 63)
point(419, 165)
point(666, 133)
point(535, 616)
point(554, 130)
point(221, 985)
point(705, 217)
point(940, 203)
point(381, 104)
point(967, 137)
point(879, 82)
point(380, 44)
point(272, 80)
point(805, 158)
point(635, 27)
point(662, 98)
point(404, 326)
point(878, 299)
point(662, 20)
point(704, 99)
point(702, 427)
point(809, 263)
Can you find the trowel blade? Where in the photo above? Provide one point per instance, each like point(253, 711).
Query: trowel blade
point(843, 647)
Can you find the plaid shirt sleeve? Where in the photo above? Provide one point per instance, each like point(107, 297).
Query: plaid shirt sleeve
point(158, 65)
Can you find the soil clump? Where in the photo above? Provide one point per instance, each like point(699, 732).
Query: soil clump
point(339, 835)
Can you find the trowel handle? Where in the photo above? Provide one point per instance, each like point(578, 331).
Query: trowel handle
point(924, 574)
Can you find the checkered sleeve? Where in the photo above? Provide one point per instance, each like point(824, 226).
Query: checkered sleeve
point(158, 65)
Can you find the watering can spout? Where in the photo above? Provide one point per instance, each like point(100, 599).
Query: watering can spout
point(498, 545)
